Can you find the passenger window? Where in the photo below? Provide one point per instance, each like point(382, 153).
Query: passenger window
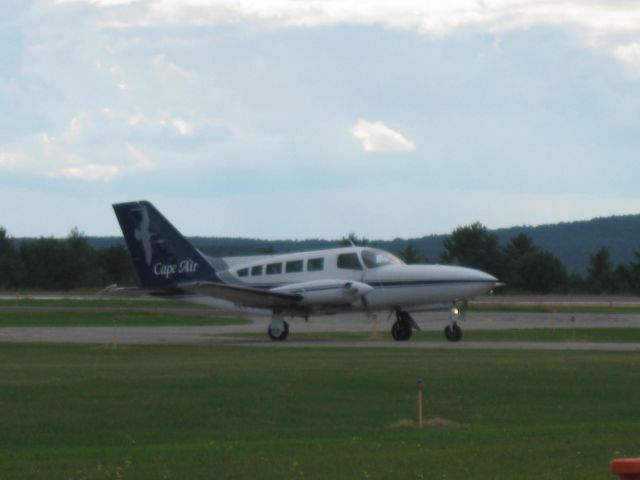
point(349, 261)
point(274, 268)
point(294, 266)
point(243, 272)
point(315, 264)
point(257, 270)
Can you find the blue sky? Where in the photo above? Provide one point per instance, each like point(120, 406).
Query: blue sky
point(289, 119)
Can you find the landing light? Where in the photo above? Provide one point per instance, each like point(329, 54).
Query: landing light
point(456, 311)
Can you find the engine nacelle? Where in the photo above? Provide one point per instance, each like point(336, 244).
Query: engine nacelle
point(327, 292)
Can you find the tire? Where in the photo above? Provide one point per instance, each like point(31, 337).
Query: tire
point(401, 331)
point(453, 334)
point(280, 336)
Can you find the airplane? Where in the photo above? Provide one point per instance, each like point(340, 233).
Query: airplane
point(337, 280)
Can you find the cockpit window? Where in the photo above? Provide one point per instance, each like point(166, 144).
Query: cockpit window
point(377, 258)
point(349, 261)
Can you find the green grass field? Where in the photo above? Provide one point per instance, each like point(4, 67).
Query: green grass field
point(95, 303)
point(168, 412)
point(113, 302)
point(615, 335)
point(121, 318)
point(555, 308)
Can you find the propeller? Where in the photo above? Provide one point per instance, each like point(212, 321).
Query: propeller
point(352, 290)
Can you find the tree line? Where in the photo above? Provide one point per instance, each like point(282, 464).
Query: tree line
point(527, 268)
point(72, 263)
point(62, 264)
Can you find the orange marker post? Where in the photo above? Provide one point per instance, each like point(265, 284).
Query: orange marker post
point(420, 387)
point(627, 468)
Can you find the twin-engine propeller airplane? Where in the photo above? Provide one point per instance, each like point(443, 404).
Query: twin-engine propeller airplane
point(352, 279)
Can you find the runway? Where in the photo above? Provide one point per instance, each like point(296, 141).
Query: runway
point(226, 335)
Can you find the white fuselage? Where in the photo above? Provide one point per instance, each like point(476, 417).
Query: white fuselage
point(337, 280)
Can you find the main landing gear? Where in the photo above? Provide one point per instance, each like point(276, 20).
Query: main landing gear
point(453, 332)
point(278, 329)
point(403, 326)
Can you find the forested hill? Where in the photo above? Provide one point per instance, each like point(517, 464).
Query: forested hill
point(574, 242)
point(571, 242)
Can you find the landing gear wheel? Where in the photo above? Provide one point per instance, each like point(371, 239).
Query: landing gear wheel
point(453, 333)
point(401, 331)
point(278, 335)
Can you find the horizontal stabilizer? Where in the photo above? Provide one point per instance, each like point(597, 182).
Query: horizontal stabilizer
point(115, 291)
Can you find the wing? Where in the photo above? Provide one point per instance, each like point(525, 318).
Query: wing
point(245, 296)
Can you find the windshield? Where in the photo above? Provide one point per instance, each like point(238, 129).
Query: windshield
point(377, 258)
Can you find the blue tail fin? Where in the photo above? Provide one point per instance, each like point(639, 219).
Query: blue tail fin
point(162, 257)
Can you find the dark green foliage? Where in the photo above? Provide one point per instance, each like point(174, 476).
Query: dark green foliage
point(525, 266)
point(410, 255)
point(634, 273)
point(46, 262)
point(473, 246)
point(541, 272)
point(115, 266)
point(11, 266)
point(528, 268)
point(600, 275)
point(571, 242)
point(268, 250)
point(574, 242)
point(54, 264)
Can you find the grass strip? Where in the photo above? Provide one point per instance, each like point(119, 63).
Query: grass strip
point(554, 308)
point(98, 319)
point(94, 303)
point(95, 412)
point(603, 335)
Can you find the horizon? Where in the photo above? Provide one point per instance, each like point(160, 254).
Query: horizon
point(335, 239)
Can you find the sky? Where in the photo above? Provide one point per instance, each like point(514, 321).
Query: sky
point(313, 119)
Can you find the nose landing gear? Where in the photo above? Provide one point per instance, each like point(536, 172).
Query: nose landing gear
point(453, 332)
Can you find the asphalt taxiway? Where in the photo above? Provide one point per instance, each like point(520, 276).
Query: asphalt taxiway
point(380, 326)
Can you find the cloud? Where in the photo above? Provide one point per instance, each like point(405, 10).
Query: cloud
point(91, 172)
point(12, 160)
point(141, 161)
point(42, 156)
point(630, 56)
point(377, 137)
point(183, 128)
point(170, 70)
point(601, 23)
point(100, 3)
point(106, 143)
point(433, 17)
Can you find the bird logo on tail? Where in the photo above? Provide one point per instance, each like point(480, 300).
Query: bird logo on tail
point(143, 234)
